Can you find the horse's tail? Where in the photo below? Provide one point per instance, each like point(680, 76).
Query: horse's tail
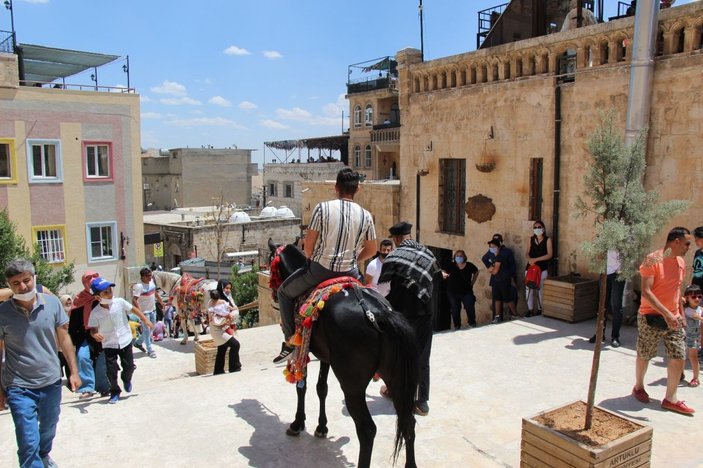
point(400, 350)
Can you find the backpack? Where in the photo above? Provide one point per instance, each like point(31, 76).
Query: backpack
point(533, 277)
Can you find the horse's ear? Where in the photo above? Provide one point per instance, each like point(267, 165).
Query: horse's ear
point(272, 246)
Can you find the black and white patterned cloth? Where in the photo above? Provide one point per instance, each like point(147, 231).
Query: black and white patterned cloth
point(415, 265)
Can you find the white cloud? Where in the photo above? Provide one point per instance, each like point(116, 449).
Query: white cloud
point(272, 54)
point(181, 100)
point(206, 122)
point(151, 115)
point(170, 87)
point(296, 113)
point(36, 1)
point(220, 101)
point(273, 124)
point(334, 109)
point(246, 105)
point(331, 115)
point(144, 98)
point(234, 50)
point(149, 139)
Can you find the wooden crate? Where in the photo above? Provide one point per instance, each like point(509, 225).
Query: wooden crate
point(570, 298)
point(205, 353)
point(542, 446)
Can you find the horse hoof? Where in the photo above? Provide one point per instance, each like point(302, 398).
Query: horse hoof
point(294, 432)
point(321, 434)
point(183, 342)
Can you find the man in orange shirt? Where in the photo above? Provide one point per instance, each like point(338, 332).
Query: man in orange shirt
point(661, 317)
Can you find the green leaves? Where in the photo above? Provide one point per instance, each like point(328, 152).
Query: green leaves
point(244, 291)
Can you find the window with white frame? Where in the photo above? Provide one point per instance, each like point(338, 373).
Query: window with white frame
point(6, 161)
point(357, 116)
point(44, 161)
point(102, 241)
point(97, 161)
point(50, 243)
point(357, 156)
point(368, 115)
point(367, 156)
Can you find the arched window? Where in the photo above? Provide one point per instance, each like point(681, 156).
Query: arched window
point(357, 156)
point(368, 115)
point(357, 116)
point(367, 156)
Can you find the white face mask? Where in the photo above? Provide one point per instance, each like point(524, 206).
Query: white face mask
point(494, 250)
point(538, 231)
point(106, 302)
point(25, 297)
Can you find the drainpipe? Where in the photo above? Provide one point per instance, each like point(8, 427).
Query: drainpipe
point(417, 207)
point(639, 99)
point(557, 181)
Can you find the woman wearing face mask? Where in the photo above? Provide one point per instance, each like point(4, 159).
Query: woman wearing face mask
point(539, 253)
point(109, 325)
point(461, 276)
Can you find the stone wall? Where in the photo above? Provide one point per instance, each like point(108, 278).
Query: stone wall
point(295, 175)
point(9, 72)
point(450, 106)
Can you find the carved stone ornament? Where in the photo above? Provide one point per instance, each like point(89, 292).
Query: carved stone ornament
point(480, 208)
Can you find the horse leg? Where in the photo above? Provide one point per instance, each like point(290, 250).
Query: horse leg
point(184, 327)
point(321, 430)
point(196, 335)
point(298, 424)
point(365, 427)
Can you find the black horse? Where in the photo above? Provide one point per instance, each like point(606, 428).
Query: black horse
point(344, 338)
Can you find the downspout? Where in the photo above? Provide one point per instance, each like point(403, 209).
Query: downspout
point(557, 181)
point(417, 207)
point(639, 99)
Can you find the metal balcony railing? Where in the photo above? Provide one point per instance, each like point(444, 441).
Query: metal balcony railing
point(7, 42)
point(486, 19)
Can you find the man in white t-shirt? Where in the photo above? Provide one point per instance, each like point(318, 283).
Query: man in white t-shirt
point(340, 235)
point(373, 270)
point(144, 296)
point(109, 325)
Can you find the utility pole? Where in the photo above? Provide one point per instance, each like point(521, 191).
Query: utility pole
point(422, 34)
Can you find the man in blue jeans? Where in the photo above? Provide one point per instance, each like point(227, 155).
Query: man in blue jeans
point(145, 297)
point(31, 326)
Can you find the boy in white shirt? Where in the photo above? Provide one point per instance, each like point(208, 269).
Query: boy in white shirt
point(109, 325)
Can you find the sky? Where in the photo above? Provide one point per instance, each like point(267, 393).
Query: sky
point(238, 73)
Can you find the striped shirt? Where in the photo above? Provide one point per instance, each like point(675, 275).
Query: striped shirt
point(343, 227)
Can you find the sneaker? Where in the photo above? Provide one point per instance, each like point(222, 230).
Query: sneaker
point(85, 395)
point(615, 343)
point(152, 355)
point(678, 407)
point(48, 462)
point(496, 319)
point(114, 399)
point(128, 387)
point(140, 348)
point(421, 408)
point(641, 395)
point(285, 353)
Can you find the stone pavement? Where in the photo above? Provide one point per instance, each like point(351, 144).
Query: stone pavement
point(483, 382)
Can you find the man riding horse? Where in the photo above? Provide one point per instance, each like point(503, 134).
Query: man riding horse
point(340, 235)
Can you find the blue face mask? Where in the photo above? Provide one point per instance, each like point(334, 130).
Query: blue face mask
point(494, 250)
point(459, 259)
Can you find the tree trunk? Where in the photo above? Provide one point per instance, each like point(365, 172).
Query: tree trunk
point(600, 328)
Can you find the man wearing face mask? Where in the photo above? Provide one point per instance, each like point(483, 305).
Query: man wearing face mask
point(373, 270)
point(500, 279)
point(33, 326)
point(461, 276)
point(109, 325)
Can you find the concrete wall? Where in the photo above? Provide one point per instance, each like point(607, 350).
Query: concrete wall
point(296, 174)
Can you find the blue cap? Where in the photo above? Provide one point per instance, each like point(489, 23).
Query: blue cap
point(100, 284)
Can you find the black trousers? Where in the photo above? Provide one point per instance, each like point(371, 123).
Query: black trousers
point(423, 334)
point(127, 361)
point(234, 364)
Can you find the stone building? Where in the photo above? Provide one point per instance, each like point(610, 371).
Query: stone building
point(189, 177)
point(70, 175)
point(500, 121)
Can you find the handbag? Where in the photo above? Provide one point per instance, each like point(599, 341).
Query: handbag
point(656, 321)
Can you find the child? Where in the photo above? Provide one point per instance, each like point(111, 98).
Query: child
point(697, 278)
point(168, 319)
point(159, 329)
point(692, 311)
point(221, 313)
point(108, 325)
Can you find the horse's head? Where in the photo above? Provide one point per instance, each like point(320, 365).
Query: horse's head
point(284, 260)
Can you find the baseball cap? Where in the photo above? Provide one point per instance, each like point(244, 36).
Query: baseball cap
point(100, 284)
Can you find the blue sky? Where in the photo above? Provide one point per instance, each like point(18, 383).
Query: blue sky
point(237, 72)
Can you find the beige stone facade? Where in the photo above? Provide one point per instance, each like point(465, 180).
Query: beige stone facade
point(284, 183)
point(498, 105)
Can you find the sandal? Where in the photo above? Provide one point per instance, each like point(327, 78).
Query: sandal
point(694, 383)
point(384, 392)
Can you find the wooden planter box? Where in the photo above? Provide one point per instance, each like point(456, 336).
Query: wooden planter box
point(570, 298)
point(544, 447)
point(205, 353)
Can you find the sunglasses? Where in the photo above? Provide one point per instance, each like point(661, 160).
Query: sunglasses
point(696, 296)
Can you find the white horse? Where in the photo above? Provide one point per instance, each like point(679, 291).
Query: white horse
point(188, 295)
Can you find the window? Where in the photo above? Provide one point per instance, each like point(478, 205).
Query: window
point(357, 156)
point(357, 116)
point(368, 115)
point(367, 156)
point(452, 194)
point(273, 189)
point(102, 241)
point(44, 161)
point(289, 190)
point(535, 188)
point(50, 243)
point(7, 162)
point(97, 161)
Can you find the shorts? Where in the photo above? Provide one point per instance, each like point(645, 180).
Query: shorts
point(648, 339)
point(693, 337)
point(501, 290)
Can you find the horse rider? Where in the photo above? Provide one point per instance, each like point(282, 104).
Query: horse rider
point(340, 235)
point(414, 276)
